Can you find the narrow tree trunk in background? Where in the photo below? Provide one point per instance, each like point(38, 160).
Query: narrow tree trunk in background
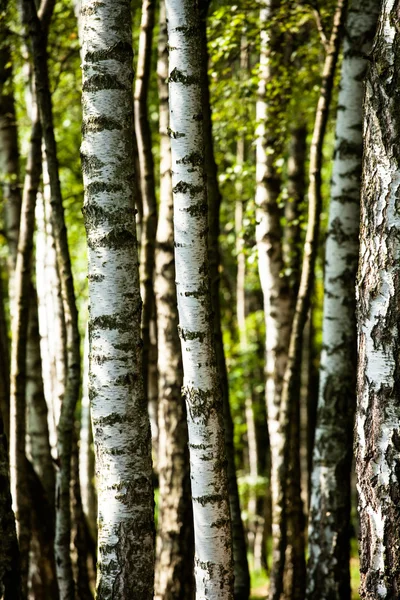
point(9, 155)
point(18, 376)
point(10, 576)
point(202, 388)
point(275, 286)
point(4, 369)
point(241, 569)
point(175, 543)
point(86, 451)
point(148, 193)
point(37, 426)
point(293, 207)
point(291, 383)
point(294, 559)
point(119, 409)
point(37, 27)
point(329, 529)
point(378, 410)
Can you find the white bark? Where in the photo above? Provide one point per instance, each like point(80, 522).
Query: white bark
point(378, 412)
point(119, 412)
point(213, 546)
point(328, 569)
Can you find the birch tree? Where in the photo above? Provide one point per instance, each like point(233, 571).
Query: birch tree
point(329, 529)
point(175, 544)
point(378, 295)
point(119, 410)
point(201, 387)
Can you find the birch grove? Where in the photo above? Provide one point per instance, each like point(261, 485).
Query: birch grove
point(180, 194)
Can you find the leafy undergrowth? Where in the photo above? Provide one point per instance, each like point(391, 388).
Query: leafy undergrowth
point(259, 580)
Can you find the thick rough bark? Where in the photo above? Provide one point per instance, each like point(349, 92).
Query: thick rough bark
point(202, 389)
point(378, 411)
point(10, 579)
point(119, 410)
point(37, 25)
point(241, 569)
point(291, 383)
point(329, 529)
point(148, 194)
point(175, 543)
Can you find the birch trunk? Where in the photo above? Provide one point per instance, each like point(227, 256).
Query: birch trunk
point(118, 403)
point(329, 529)
point(277, 301)
point(174, 573)
point(378, 294)
point(241, 570)
point(291, 383)
point(37, 24)
point(149, 216)
point(213, 560)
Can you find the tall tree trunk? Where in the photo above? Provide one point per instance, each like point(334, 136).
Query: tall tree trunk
point(277, 301)
point(241, 569)
point(149, 218)
point(119, 411)
point(10, 579)
point(202, 387)
point(37, 25)
point(329, 529)
point(291, 383)
point(18, 377)
point(175, 544)
point(378, 410)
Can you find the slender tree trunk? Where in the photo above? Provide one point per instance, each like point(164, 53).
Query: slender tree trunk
point(37, 425)
point(37, 25)
point(277, 301)
point(291, 383)
point(175, 544)
point(18, 377)
point(378, 295)
point(10, 579)
point(119, 411)
point(86, 451)
point(4, 368)
point(148, 193)
point(329, 529)
point(202, 387)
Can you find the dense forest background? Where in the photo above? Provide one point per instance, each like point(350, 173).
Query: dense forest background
point(246, 119)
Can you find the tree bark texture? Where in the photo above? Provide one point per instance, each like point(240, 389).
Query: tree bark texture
point(119, 410)
point(37, 26)
point(241, 569)
point(148, 191)
point(378, 294)
point(202, 388)
point(329, 528)
point(175, 543)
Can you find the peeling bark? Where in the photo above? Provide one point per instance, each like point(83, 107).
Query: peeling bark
point(329, 528)
point(378, 295)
